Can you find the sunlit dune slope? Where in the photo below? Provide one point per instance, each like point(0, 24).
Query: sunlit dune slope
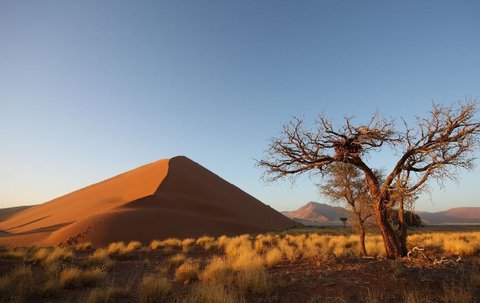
point(167, 198)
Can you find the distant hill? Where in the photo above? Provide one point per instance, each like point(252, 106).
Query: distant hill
point(314, 213)
point(459, 215)
point(320, 214)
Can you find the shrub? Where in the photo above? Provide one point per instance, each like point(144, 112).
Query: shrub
point(154, 288)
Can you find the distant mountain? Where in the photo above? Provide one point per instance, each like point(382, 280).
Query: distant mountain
point(314, 213)
point(320, 214)
point(459, 215)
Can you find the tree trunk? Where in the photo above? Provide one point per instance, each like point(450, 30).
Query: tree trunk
point(362, 238)
point(390, 238)
point(402, 226)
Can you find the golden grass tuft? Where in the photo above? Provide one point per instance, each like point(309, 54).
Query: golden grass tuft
point(118, 250)
point(213, 293)
point(273, 257)
point(206, 242)
point(154, 288)
point(83, 246)
point(218, 270)
point(105, 295)
point(100, 258)
point(187, 271)
point(177, 259)
point(70, 278)
point(63, 254)
point(134, 245)
point(18, 285)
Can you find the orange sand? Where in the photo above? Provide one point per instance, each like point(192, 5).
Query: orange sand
point(167, 198)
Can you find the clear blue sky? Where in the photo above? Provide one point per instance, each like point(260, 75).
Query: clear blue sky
point(90, 89)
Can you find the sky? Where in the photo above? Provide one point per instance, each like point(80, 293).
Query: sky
point(91, 89)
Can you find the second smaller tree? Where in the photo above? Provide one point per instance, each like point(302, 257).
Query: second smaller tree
point(345, 186)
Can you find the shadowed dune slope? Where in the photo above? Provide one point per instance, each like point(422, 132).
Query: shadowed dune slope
point(167, 198)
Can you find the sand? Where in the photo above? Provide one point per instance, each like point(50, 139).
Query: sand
point(168, 198)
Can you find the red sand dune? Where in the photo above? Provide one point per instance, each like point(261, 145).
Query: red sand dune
point(168, 198)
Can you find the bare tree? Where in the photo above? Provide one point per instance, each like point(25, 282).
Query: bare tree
point(435, 148)
point(345, 185)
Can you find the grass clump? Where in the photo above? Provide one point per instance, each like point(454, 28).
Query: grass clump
point(15, 254)
point(83, 246)
point(74, 277)
point(105, 295)
point(70, 278)
point(218, 270)
point(187, 271)
point(18, 285)
point(206, 242)
point(63, 254)
point(154, 288)
point(93, 277)
point(134, 245)
point(177, 259)
point(273, 257)
point(213, 293)
point(100, 258)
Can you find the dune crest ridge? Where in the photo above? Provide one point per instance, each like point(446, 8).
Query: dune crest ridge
point(168, 198)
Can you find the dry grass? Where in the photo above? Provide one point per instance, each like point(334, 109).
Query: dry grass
point(154, 288)
point(177, 259)
point(273, 257)
point(187, 271)
point(105, 295)
point(118, 250)
point(17, 285)
point(134, 245)
point(74, 277)
point(206, 242)
point(100, 258)
point(15, 254)
point(83, 246)
point(70, 278)
point(213, 293)
point(218, 270)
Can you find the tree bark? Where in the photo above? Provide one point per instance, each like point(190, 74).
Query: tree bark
point(362, 238)
point(390, 239)
point(402, 226)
